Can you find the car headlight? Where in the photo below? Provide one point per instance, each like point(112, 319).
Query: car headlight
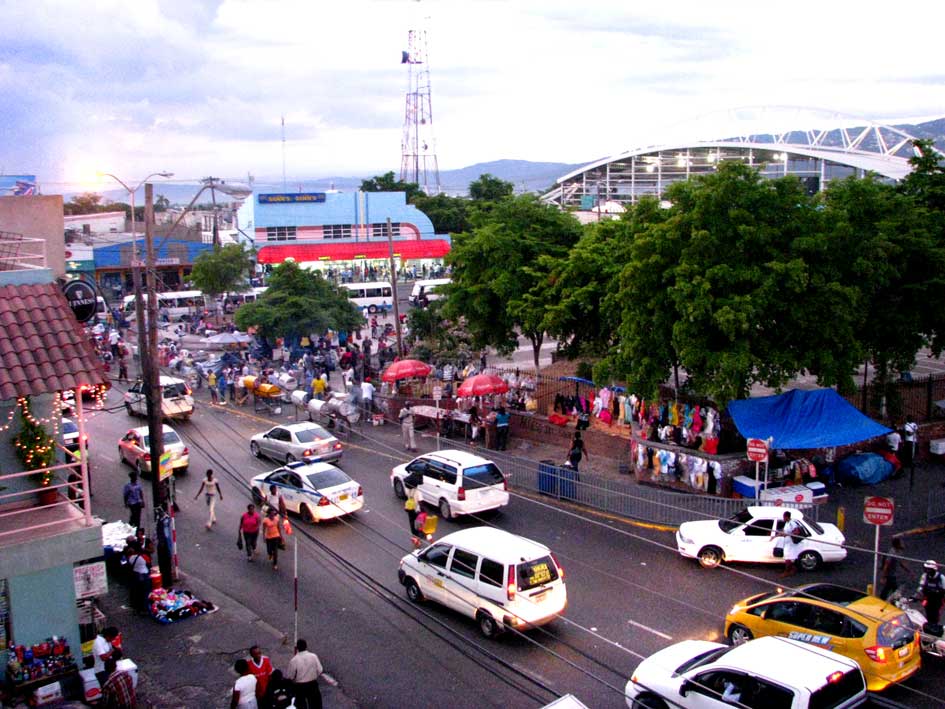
point(734, 610)
point(684, 539)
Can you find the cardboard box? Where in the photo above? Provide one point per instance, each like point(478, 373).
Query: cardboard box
point(47, 694)
point(91, 689)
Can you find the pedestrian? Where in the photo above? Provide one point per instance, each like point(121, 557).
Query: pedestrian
point(211, 490)
point(118, 692)
point(212, 386)
point(134, 499)
point(222, 385)
point(910, 432)
point(122, 361)
point(260, 666)
point(304, 670)
point(891, 564)
point(272, 536)
point(406, 427)
point(412, 505)
point(274, 501)
point(244, 691)
point(231, 384)
point(113, 339)
point(893, 439)
point(475, 423)
point(790, 543)
point(502, 420)
point(367, 396)
point(102, 650)
point(932, 590)
point(577, 451)
point(140, 564)
point(248, 533)
point(278, 693)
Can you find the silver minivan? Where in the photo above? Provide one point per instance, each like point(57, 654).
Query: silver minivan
point(176, 400)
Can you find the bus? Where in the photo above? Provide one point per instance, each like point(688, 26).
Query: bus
point(376, 296)
point(176, 304)
point(231, 301)
point(427, 291)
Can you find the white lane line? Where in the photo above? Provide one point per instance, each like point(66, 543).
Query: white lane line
point(650, 630)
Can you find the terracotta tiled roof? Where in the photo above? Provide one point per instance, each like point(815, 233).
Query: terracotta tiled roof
point(42, 346)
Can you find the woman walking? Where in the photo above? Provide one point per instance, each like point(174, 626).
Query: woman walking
point(273, 536)
point(211, 489)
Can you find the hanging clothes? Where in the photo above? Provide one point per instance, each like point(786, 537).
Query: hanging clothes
point(696, 420)
point(710, 418)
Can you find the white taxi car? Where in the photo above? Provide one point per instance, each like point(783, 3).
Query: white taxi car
point(134, 448)
point(751, 536)
point(177, 401)
point(315, 491)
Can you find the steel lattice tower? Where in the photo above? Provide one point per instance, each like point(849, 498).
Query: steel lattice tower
point(418, 148)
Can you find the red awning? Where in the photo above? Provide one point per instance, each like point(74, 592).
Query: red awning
point(348, 251)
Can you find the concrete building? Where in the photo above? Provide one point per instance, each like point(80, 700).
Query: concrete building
point(38, 220)
point(100, 223)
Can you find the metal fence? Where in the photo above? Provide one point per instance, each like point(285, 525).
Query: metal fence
point(922, 398)
point(935, 507)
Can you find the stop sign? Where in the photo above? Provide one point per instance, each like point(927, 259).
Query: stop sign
point(878, 511)
point(757, 450)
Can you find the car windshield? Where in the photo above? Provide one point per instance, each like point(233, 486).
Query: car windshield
point(702, 659)
point(482, 476)
point(69, 427)
point(813, 525)
point(327, 478)
point(172, 390)
point(735, 521)
point(536, 573)
point(307, 435)
point(169, 437)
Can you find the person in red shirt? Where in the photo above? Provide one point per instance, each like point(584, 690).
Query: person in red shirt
point(249, 530)
point(261, 667)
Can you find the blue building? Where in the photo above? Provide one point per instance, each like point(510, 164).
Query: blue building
point(342, 231)
point(174, 260)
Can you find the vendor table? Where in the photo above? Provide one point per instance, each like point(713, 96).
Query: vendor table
point(440, 414)
point(25, 689)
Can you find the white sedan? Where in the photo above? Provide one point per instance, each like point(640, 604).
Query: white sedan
point(315, 491)
point(751, 535)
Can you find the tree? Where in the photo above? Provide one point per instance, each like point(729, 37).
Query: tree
point(161, 204)
point(489, 188)
point(500, 282)
point(388, 183)
point(225, 269)
point(85, 203)
point(448, 214)
point(297, 303)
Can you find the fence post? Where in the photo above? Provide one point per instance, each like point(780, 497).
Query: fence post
point(928, 399)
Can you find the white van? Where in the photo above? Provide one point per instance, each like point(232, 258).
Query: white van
point(426, 291)
point(455, 482)
point(500, 579)
point(176, 399)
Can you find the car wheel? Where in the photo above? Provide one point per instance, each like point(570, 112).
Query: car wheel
point(257, 498)
point(289, 458)
point(413, 591)
point(254, 449)
point(487, 625)
point(399, 489)
point(648, 701)
point(710, 557)
point(808, 560)
point(372, 309)
point(445, 511)
point(739, 634)
point(307, 515)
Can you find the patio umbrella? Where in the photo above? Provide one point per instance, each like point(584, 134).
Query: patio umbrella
point(406, 369)
point(482, 384)
point(229, 338)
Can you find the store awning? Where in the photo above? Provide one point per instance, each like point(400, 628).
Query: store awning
point(350, 251)
point(803, 419)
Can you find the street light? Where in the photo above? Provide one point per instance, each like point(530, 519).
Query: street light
point(131, 194)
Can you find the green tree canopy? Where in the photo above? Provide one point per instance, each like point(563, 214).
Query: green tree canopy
point(297, 303)
point(85, 203)
point(489, 188)
point(389, 183)
point(225, 269)
point(448, 214)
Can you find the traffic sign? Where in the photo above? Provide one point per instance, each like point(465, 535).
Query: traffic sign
point(437, 393)
point(878, 511)
point(757, 450)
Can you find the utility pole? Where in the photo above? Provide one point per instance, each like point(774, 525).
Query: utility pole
point(393, 283)
point(152, 383)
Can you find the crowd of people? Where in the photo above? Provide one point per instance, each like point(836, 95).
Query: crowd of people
point(260, 686)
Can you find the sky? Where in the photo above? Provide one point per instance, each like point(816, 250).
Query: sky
point(199, 87)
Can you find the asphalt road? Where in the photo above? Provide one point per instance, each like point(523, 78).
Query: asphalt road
point(630, 594)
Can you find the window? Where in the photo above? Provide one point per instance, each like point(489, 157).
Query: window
point(722, 685)
point(482, 476)
point(417, 466)
point(839, 692)
point(824, 620)
point(379, 231)
point(759, 528)
point(788, 612)
point(280, 434)
point(436, 555)
point(294, 480)
point(280, 233)
point(492, 573)
point(337, 231)
point(769, 695)
point(441, 472)
point(464, 564)
point(276, 479)
point(537, 573)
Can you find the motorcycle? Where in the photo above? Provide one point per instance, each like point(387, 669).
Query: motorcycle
point(931, 637)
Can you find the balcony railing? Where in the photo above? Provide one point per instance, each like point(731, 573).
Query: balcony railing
point(37, 511)
point(21, 253)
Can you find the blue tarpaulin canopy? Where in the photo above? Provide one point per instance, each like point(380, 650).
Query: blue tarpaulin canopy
point(803, 419)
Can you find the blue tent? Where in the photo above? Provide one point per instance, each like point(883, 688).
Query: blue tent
point(803, 419)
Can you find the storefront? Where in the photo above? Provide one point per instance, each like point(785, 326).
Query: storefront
point(174, 259)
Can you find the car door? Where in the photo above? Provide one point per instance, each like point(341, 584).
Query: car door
point(279, 480)
point(432, 577)
point(715, 689)
point(756, 542)
point(294, 494)
point(273, 445)
point(439, 481)
point(786, 618)
point(823, 627)
point(460, 585)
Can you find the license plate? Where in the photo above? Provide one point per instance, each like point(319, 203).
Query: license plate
point(903, 651)
point(343, 497)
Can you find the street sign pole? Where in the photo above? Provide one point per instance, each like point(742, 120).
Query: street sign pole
point(437, 395)
point(876, 561)
point(878, 511)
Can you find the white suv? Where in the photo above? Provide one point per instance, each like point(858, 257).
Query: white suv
point(768, 673)
point(176, 399)
point(455, 482)
point(499, 579)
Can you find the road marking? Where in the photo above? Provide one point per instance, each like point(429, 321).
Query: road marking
point(650, 630)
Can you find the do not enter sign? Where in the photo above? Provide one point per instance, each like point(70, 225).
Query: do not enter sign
point(757, 450)
point(878, 511)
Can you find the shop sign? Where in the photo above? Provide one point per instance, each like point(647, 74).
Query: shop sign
point(81, 298)
point(437, 393)
point(878, 511)
point(90, 580)
point(292, 198)
point(757, 450)
point(165, 470)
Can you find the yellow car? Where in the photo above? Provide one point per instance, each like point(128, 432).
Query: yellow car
point(876, 634)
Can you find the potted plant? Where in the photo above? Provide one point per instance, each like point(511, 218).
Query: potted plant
point(36, 450)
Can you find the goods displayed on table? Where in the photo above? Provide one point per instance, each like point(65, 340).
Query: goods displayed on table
point(46, 659)
point(170, 606)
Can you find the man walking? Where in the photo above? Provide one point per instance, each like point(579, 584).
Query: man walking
point(249, 530)
point(260, 666)
point(406, 427)
point(367, 397)
point(134, 499)
point(909, 440)
point(118, 692)
point(211, 489)
point(304, 669)
point(791, 543)
point(502, 420)
point(122, 357)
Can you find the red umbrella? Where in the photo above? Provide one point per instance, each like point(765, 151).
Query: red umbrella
point(481, 384)
point(406, 369)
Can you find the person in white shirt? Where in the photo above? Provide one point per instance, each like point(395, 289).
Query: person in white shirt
point(367, 395)
point(893, 439)
point(910, 431)
point(304, 669)
point(102, 649)
point(244, 691)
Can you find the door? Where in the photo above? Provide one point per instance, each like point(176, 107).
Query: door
point(432, 576)
point(716, 689)
point(274, 443)
point(460, 586)
point(757, 541)
point(439, 481)
point(293, 494)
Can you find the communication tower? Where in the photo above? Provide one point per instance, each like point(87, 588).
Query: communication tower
point(418, 148)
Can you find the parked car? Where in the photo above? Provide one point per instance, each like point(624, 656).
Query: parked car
point(455, 482)
point(90, 393)
point(176, 399)
point(296, 441)
point(316, 491)
point(750, 535)
point(70, 435)
point(873, 633)
point(134, 448)
point(497, 578)
point(768, 673)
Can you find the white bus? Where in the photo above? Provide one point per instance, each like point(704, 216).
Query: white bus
point(175, 303)
point(231, 301)
point(376, 296)
point(428, 290)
